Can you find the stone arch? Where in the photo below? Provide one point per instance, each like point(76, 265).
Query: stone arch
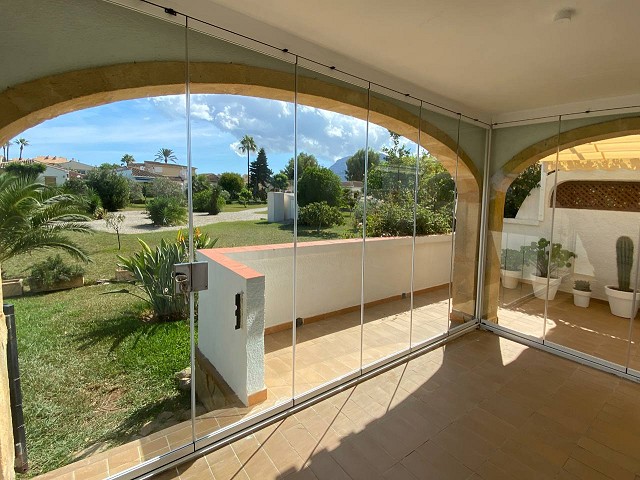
point(28, 104)
point(501, 180)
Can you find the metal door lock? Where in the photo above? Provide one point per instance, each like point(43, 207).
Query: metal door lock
point(190, 277)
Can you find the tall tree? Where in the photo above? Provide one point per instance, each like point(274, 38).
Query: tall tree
point(260, 174)
point(166, 154)
point(35, 217)
point(396, 152)
point(5, 151)
point(127, 159)
point(305, 161)
point(248, 144)
point(22, 142)
point(355, 164)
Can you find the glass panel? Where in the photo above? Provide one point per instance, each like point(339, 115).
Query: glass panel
point(633, 365)
point(437, 167)
point(242, 124)
point(522, 245)
point(98, 361)
point(390, 223)
point(331, 150)
point(593, 232)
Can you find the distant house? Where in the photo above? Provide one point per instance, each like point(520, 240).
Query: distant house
point(67, 164)
point(53, 176)
point(138, 174)
point(212, 178)
point(174, 172)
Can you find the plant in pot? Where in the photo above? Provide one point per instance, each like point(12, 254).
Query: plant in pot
point(548, 261)
point(581, 293)
point(511, 262)
point(53, 274)
point(621, 297)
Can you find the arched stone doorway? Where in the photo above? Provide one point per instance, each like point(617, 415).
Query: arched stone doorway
point(501, 180)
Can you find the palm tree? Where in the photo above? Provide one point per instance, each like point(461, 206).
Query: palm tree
point(166, 154)
point(5, 151)
point(248, 144)
point(23, 143)
point(35, 217)
point(127, 159)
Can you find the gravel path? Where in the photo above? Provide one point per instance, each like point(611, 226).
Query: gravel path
point(137, 221)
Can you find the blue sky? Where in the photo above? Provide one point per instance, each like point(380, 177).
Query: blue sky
point(141, 127)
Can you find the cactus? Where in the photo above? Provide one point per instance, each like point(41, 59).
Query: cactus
point(624, 259)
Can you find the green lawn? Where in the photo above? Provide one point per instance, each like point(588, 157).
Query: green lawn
point(92, 371)
point(239, 207)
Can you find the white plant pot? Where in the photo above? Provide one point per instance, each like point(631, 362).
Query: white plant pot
point(581, 298)
point(540, 287)
point(620, 302)
point(511, 278)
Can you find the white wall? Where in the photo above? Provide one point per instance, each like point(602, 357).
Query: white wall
point(60, 175)
point(280, 207)
point(329, 273)
point(238, 355)
point(591, 234)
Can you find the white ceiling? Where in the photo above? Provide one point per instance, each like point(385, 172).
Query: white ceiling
point(492, 57)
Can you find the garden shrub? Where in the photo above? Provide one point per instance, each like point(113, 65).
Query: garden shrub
point(112, 187)
point(51, 271)
point(216, 201)
point(232, 183)
point(136, 194)
point(165, 211)
point(201, 201)
point(319, 184)
point(320, 214)
point(164, 187)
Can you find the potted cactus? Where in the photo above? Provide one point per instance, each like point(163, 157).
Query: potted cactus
point(621, 297)
point(581, 293)
point(511, 262)
point(537, 255)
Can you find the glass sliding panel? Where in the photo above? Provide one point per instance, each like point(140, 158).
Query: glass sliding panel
point(522, 244)
point(594, 221)
point(98, 354)
point(390, 223)
point(331, 160)
point(633, 364)
point(242, 124)
point(436, 197)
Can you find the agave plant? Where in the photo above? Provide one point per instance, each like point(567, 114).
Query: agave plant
point(153, 271)
point(35, 217)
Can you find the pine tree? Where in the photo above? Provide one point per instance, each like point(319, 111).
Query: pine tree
point(260, 172)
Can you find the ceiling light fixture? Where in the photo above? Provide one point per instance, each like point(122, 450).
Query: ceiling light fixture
point(564, 15)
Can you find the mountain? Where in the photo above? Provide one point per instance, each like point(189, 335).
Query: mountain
point(340, 168)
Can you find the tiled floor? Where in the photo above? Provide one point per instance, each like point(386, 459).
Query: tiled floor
point(481, 407)
point(593, 330)
point(324, 350)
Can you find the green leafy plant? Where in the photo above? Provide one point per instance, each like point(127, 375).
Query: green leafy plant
point(35, 217)
point(112, 187)
point(114, 221)
point(624, 261)
point(166, 211)
point(520, 189)
point(319, 184)
point(153, 272)
point(582, 285)
point(201, 201)
point(547, 259)
point(511, 259)
point(216, 201)
point(52, 271)
point(153, 269)
point(244, 196)
point(320, 214)
point(164, 187)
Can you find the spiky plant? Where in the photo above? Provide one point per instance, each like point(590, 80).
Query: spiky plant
point(624, 260)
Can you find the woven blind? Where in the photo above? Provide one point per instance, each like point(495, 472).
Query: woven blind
point(599, 195)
